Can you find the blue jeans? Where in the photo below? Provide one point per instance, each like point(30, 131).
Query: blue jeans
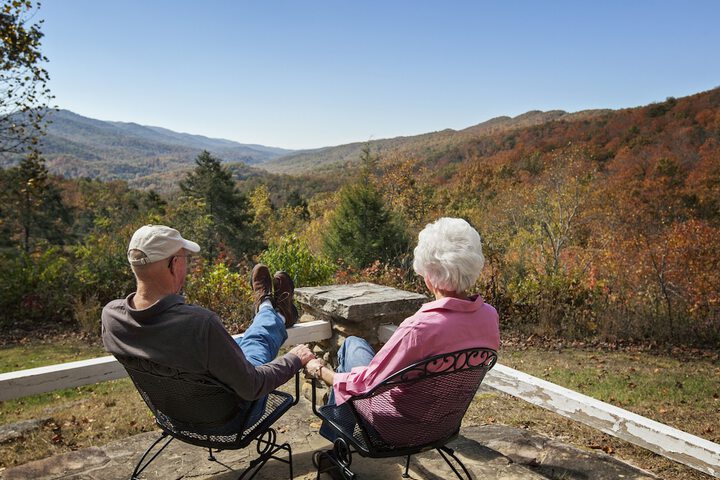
point(354, 352)
point(260, 344)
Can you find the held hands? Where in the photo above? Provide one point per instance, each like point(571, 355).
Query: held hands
point(304, 353)
point(317, 368)
point(314, 368)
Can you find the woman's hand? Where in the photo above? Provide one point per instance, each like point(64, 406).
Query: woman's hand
point(313, 368)
point(318, 369)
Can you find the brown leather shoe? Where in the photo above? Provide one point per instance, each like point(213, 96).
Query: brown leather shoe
point(261, 285)
point(284, 293)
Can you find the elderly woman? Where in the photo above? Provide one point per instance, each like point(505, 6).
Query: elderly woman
point(449, 258)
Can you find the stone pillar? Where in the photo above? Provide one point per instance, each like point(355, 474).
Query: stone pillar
point(356, 309)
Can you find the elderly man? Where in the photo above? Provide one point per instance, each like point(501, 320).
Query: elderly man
point(155, 323)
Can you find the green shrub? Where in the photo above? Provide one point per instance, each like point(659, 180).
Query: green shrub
point(102, 267)
point(292, 255)
point(87, 312)
point(559, 305)
point(224, 292)
point(401, 277)
point(36, 287)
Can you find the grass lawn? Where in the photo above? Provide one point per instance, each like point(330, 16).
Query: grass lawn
point(670, 389)
point(71, 418)
point(680, 388)
point(38, 354)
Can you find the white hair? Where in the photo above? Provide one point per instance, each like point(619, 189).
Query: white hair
point(449, 254)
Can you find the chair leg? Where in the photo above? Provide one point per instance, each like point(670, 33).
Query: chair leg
point(138, 470)
point(342, 457)
point(316, 463)
point(335, 461)
point(267, 448)
point(449, 451)
point(407, 468)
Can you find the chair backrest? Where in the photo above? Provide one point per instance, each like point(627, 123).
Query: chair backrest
point(182, 401)
point(424, 403)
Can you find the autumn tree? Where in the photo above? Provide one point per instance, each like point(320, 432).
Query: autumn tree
point(32, 207)
point(407, 191)
point(262, 210)
point(215, 211)
point(693, 252)
point(24, 94)
point(560, 210)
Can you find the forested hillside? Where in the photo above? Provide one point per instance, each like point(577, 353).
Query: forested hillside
point(147, 157)
point(600, 224)
point(428, 146)
point(609, 222)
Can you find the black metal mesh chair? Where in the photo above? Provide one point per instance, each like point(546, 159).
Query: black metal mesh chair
point(200, 410)
point(414, 410)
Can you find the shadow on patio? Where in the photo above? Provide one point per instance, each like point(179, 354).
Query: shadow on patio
point(489, 452)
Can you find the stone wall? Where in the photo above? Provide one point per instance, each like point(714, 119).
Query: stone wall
point(356, 309)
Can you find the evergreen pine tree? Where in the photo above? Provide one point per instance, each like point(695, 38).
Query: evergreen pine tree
point(362, 229)
point(32, 207)
point(216, 213)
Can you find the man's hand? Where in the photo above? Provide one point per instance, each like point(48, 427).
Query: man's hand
point(303, 352)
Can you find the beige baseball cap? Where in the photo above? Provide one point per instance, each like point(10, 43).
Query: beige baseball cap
point(158, 242)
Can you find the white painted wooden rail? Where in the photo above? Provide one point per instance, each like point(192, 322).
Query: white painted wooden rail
point(677, 445)
point(85, 372)
point(693, 451)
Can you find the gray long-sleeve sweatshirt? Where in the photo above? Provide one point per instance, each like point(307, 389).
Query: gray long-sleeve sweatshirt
point(192, 339)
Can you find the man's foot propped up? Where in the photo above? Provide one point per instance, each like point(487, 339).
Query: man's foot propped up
point(261, 284)
point(284, 294)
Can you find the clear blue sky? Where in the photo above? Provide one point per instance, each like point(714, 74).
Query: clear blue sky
point(305, 74)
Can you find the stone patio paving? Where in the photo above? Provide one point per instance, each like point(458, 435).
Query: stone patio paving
point(489, 451)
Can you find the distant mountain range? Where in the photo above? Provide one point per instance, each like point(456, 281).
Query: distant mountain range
point(426, 146)
point(77, 146)
point(154, 157)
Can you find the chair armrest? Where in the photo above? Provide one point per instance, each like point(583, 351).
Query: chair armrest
point(314, 397)
point(297, 388)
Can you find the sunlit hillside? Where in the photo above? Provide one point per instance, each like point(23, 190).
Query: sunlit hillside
point(601, 223)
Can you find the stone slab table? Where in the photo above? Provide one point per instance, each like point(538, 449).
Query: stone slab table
point(356, 309)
